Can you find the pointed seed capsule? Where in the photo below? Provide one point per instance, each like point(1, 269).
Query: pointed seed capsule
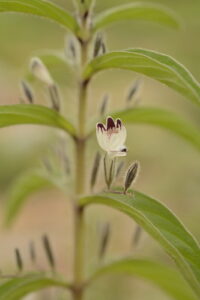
point(95, 170)
point(98, 45)
point(136, 236)
point(55, 97)
point(104, 104)
point(48, 251)
point(26, 89)
point(32, 252)
point(133, 90)
point(19, 260)
point(104, 240)
point(130, 176)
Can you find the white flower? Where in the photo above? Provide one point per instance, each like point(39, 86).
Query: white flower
point(40, 71)
point(111, 137)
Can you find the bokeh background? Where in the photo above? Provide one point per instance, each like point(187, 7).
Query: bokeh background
point(169, 166)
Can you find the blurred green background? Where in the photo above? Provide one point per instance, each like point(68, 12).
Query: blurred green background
point(170, 168)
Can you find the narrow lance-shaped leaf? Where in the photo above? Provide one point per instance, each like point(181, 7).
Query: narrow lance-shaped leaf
point(136, 11)
point(41, 8)
point(33, 114)
point(162, 225)
point(17, 288)
point(166, 278)
point(158, 66)
point(164, 119)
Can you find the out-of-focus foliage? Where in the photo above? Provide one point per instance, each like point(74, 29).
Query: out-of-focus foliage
point(156, 150)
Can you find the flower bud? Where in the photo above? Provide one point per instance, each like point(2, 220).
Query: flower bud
point(109, 170)
point(104, 105)
point(26, 89)
point(32, 252)
point(99, 45)
point(40, 71)
point(48, 251)
point(72, 50)
point(55, 97)
point(134, 90)
point(95, 170)
point(130, 176)
point(104, 240)
point(119, 168)
point(136, 236)
point(19, 261)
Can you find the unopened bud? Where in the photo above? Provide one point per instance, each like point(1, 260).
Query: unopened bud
point(137, 235)
point(104, 105)
point(26, 89)
point(19, 261)
point(112, 171)
point(40, 71)
point(54, 96)
point(72, 49)
point(95, 170)
point(99, 46)
point(48, 251)
point(119, 168)
point(133, 90)
point(130, 176)
point(104, 240)
point(32, 252)
point(103, 47)
point(109, 171)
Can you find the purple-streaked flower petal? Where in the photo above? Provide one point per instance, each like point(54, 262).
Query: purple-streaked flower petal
point(110, 123)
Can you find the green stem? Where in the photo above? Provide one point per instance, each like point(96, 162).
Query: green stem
point(78, 290)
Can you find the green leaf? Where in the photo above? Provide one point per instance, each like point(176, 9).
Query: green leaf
point(168, 279)
point(162, 225)
point(33, 114)
point(162, 118)
point(136, 11)
point(158, 66)
point(28, 184)
point(21, 189)
point(16, 288)
point(43, 9)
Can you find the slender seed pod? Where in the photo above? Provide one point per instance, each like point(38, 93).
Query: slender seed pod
point(97, 44)
point(130, 176)
point(119, 168)
point(133, 91)
point(27, 91)
point(136, 236)
point(104, 105)
point(72, 48)
point(48, 251)
point(54, 96)
point(103, 47)
point(112, 172)
point(105, 236)
point(95, 170)
point(105, 170)
point(32, 252)
point(19, 261)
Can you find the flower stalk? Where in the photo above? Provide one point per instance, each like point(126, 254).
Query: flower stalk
point(80, 144)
